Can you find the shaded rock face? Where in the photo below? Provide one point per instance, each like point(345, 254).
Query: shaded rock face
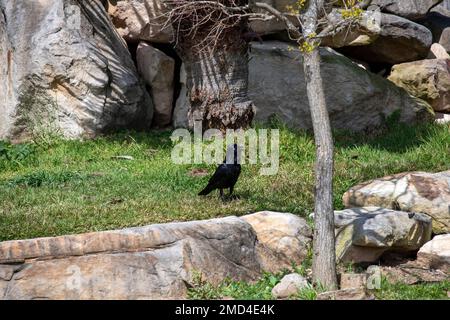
point(151, 262)
point(425, 79)
point(439, 23)
point(283, 239)
point(428, 193)
point(435, 254)
point(357, 100)
point(67, 72)
point(365, 234)
point(140, 20)
point(182, 106)
point(154, 262)
point(158, 70)
point(400, 40)
point(410, 9)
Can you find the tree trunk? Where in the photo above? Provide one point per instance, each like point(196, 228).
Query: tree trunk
point(217, 75)
point(324, 254)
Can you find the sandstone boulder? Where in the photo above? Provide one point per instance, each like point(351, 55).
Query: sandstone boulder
point(410, 9)
point(283, 238)
point(428, 193)
point(158, 71)
point(365, 234)
point(400, 40)
point(66, 72)
point(153, 262)
point(435, 254)
point(141, 20)
point(426, 79)
point(357, 99)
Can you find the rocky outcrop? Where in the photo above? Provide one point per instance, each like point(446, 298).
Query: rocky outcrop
point(158, 71)
point(365, 234)
point(426, 79)
point(357, 99)
point(435, 254)
point(410, 9)
point(141, 20)
point(67, 72)
point(283, 239)
point(400, 40)
point(428, 193)
point(151, 262)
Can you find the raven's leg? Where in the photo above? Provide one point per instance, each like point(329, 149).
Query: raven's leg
point(235, 197)
point(221, 194)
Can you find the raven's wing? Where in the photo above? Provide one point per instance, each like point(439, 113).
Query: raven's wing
point(218, 179)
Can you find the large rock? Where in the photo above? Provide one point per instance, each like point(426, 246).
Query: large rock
point(158, 71)
point(435, 254)
point(141, 20)
point(437, 51)
point(283, 239)
point(66, 72)
point(153, 262)
point(426, 79)
point(400, 40)
point(428, 193)
point(410, 9)
point(357, 99)
point(365, 234)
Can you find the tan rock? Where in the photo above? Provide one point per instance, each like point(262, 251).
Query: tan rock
point(437, 51)
point(141, 20)
point(353, 280)
point(436, 253)
point(158, 71)
point(428, 193)
point(346, 294)
point(283, 238)
point(426, 79)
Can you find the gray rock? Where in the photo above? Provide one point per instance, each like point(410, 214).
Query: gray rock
point(67, 72)
point(424, 192)
point(365, 234)
point(357, 99)
point(283, 239)
point(439, 23)
point(400, 40)
point(158, 71)
point(410, 9)
point(289, 285)
point(182, 106)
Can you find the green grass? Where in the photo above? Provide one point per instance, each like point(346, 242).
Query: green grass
point(76, 186)
point(262, 290)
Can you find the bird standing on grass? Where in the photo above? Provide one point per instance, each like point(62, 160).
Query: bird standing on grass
point(226, 174)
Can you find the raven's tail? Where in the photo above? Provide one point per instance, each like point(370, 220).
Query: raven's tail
point(205, 191)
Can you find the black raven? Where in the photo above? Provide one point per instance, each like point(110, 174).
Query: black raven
point(226, 174)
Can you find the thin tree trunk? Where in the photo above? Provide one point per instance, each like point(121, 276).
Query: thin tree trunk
point(324, 258)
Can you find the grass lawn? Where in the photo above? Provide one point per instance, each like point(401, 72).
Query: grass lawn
point(71, 187)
